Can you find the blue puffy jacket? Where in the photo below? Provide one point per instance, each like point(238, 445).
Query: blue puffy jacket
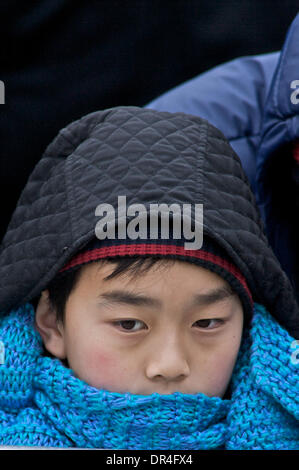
point(254, 101)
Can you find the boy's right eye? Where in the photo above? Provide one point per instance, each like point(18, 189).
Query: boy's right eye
point(130, 325)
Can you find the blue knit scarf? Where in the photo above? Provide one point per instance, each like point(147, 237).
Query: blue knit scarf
point(42, 403)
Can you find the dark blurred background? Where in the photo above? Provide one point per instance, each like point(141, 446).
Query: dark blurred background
point(61, 59)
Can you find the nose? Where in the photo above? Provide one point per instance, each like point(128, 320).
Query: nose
point(168, 362)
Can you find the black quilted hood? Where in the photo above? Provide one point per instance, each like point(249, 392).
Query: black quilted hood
point(151, 157)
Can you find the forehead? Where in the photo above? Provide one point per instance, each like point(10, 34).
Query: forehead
point(171, 273)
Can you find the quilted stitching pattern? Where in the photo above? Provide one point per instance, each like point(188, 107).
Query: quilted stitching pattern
point(148, 156)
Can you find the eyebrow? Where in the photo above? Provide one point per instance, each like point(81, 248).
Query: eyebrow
point(212, 296)
point(130, 298)
point(140, 300)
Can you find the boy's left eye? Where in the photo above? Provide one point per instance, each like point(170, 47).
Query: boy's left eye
point(130, 325)
point(209, 323)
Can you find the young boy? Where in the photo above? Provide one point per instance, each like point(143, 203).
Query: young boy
point(142, 307)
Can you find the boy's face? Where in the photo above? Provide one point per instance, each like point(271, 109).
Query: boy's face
point(174, 328)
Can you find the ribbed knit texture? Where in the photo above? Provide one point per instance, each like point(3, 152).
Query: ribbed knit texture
point(42, 403)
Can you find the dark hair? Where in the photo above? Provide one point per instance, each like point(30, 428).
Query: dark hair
point(62, 285)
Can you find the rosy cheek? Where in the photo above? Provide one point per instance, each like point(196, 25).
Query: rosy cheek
point(106, 371)
point(221, 375)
